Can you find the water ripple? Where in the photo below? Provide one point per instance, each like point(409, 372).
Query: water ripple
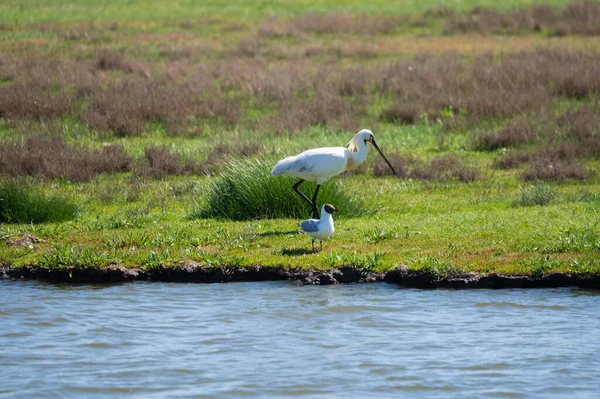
point(521, 306)
point(158, 340)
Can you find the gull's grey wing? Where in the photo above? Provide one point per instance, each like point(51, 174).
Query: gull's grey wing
point(310, 225)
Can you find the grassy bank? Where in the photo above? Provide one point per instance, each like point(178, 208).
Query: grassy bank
point(142, 123)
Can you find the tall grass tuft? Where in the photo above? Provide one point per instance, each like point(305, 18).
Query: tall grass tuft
point(18, 204)
point(246, 190)
point(536, 194)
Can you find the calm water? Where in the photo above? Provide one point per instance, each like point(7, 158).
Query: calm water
point(158, 340)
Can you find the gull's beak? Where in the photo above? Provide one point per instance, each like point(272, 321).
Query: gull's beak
point(383, 156)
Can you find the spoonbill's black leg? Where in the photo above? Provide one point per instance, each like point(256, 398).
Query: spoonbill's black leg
point(300, 193)
point(313, 245)
point(314, 203)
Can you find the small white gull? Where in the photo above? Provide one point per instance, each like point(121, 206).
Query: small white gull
point(320, 229)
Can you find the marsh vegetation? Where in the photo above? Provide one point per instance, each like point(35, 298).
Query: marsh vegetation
point(162, 130)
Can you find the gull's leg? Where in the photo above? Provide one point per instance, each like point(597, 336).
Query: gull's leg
point(314, 203)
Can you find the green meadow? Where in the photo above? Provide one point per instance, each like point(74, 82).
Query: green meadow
point(142, 134)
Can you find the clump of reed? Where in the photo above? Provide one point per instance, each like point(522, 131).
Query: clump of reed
point(246, 190)
point(536, 194)
point(20, 204)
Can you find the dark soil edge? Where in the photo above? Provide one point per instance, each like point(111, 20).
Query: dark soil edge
point(195, 273)
point(191, 273)
point(404, 277)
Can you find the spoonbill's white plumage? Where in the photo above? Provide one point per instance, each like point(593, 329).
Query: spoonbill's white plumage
point(321, 164)
point(320, 229)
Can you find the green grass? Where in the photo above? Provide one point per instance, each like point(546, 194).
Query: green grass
point(433, 227)
point(20, 204)
point(23, 12)
point(66, 255)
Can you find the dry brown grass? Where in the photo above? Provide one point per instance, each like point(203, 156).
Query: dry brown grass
point(31, 101)
point(222, 152)
point(579, 17)
point(442, 168)
point(331, 24)
point(445, 168)
point(399, 162)
point(49, 157)
point(86, 33)
point(513, 159)
point(579, 80)
point(517, 84)
point(401, 113)
point(516, 133)
point(159, 162)
point(550, 148)
point(558, 143)
point(557, 163)
point(320, 78)
point(325, 108)
point(271, 83)
point(42, 89)
point(113, 60)
point(314, 49)
point(435, 83)
point(541, 168)
point(544, 152)
point(51, 74)
point(287, 97)
point(582, 129)
point(126, 107)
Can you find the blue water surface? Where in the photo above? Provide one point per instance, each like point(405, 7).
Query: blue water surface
point(277, 339)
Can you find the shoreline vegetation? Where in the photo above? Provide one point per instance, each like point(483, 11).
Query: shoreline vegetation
point(138, 145)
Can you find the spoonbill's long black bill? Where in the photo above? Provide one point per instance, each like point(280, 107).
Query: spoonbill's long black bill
point(383, 156)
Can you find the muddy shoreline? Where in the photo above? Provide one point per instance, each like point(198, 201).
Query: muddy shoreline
point(194, 273)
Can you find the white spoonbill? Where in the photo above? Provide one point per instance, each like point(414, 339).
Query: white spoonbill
point(320, 229)
point(320, 164)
